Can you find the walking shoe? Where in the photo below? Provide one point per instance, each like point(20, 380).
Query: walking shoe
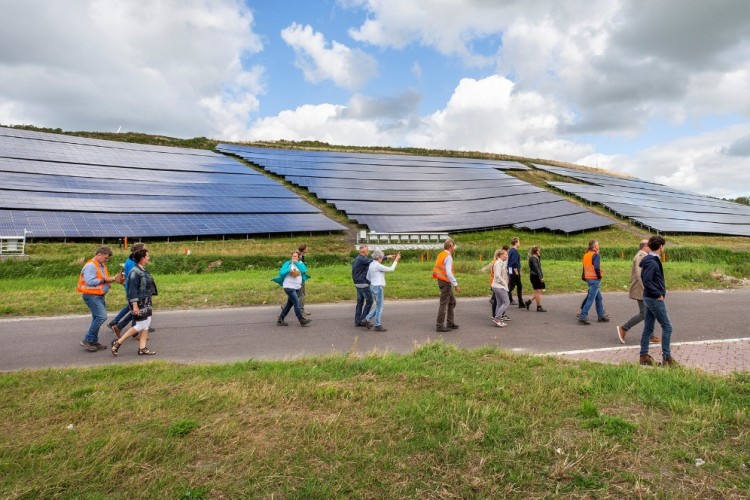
point(99, 347)
point(603, 319)
point(584, 321)
point(281, 322)
point(379, 328)
point(522, 306)
point(647, 360)
point(453, 326)
point(145, 352)
point(116, 329)
point(505, 317)
point(621, 333)
point(89, 346)
point(669, 361)
point(540, 309)
point(306, 313)
point(528, 304)
point(151, 329)
point(654, 339)
point(115, 347)
point(304, 321)
point(441, 329)
point(499, 322)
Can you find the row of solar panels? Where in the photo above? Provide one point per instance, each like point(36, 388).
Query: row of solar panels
point(659, 208)
point(415, 195)
point(58, 186)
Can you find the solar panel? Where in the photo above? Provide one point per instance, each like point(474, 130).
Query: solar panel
point(400, 193)
point(63, 187)
point(657, 207)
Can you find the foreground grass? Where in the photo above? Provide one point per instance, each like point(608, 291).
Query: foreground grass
point(412, 280)
point(438, 423)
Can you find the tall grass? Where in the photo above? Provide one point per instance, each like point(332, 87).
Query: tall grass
point(437, 423)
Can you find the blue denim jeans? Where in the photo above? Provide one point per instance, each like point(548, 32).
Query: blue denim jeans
point(377, 292)
point(98, 314)
point(123, 318)
point(364, 304)
point(594, 296)
point(656, 310)
point(291, 301)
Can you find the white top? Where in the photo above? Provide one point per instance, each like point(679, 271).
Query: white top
point(290, 281)
point(501, 275)
point(448, 263)
point(376, 272)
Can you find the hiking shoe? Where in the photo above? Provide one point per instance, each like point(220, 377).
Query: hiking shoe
point(379, 328)
point(584, 321)
point(453, 327)
point(647, 360)
point(669, 361)
point(145, 352)
point(99, 347)
point(116, 329)
point(654, 339)
point(89, 346)
point(281, 322)
point(540, 309)
point(304, 321)
point(528, 304)
point(603, 319)
point(441, 329)
point(115, 347)
point(621, 333)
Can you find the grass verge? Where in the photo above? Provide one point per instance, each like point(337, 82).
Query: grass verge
point(38, 296)
point(437, 423)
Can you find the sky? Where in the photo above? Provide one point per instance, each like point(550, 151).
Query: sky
point(656, 89)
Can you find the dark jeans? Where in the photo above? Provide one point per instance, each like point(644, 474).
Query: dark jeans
point(515, 281)
point(291, 301)
point(493, 301)
point(447, 303)
point(656, 310)
point(635, 319)
point(123, 318)
point(364, 304)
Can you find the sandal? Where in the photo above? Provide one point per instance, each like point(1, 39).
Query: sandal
point(115, 347)
point(145, 352)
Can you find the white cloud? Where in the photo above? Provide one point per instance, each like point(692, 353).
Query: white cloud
point(702, 163)
point(346, 67)
point(162, 66)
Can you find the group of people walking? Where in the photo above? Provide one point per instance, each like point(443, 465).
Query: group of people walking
point(94, 282)
point(647, 288)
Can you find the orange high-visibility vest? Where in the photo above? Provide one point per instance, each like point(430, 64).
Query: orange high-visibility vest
point(492, 271)
point(589, 272)
point(439, 272)
point(96, 289)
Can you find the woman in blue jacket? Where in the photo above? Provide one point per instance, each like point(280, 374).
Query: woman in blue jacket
point(291, 276)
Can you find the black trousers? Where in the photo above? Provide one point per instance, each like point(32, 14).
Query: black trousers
point(515, 282)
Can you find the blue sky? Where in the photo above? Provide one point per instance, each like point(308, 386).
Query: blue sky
point(657, 90)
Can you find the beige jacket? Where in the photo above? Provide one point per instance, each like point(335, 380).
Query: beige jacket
point(636, 285)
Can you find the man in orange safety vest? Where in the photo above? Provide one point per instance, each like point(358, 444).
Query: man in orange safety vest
point(443, 273)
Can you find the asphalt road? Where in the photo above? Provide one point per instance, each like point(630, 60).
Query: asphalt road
point(224, 335)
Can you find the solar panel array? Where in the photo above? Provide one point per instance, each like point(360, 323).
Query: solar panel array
point(398, 193)
point(60, 186)
point(654, 206)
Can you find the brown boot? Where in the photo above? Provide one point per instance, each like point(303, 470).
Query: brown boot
point(647, 360)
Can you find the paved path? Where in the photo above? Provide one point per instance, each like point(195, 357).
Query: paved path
point(710, 333)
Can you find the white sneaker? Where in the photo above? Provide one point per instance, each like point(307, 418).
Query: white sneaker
point(499, 322)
